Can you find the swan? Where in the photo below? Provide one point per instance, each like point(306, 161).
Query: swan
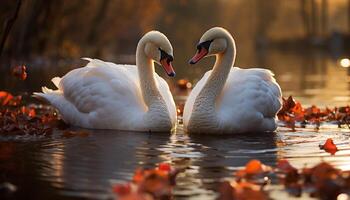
point(104, 95)
point(230, 99)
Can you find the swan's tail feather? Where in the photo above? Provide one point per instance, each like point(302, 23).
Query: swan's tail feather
point(46, 90)
point(97, 62)
point(94, 62)
point(47, 94)
point(38, 95)
point(87, 59)
point(41, 96)
point(56, 81)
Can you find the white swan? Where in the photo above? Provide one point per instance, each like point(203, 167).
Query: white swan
point(104, 95)
point(229, 99)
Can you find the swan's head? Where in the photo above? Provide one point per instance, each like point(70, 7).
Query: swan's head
point(158, 48)
point(212, 42)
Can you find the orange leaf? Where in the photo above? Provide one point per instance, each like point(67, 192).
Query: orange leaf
point(122, 189)
point(252, 168)
point(138, 176)
point(285, 166)
point(20, 72)
point(164, 167)
point(247, 191)
point(31, 112)
point(5, 97)
point(329, 146)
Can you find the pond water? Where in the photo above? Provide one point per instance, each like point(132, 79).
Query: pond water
point(85, 167)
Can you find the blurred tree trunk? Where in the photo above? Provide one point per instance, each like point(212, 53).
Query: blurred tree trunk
point(266, 14)
point(8, 25)
point(324, 17)
point(37, 27)
point(95, 25)
point(262, 19)
point(314, 23)
point(349, 15)
point(29, 28)
point(305, 17)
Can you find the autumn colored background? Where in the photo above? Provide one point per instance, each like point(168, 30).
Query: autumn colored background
point(305, 42)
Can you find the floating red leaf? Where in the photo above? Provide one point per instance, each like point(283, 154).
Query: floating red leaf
point(154, 183)
point(20, 72)
point(253, 168)
point(164, 167)
point(284, 166)
point(122, 189)
point(329, 146)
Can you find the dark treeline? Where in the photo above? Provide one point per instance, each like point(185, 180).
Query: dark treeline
point(65, 27)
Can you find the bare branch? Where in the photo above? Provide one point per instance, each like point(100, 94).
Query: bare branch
point(8, 25)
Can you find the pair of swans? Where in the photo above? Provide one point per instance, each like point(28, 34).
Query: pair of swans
point(104, 95)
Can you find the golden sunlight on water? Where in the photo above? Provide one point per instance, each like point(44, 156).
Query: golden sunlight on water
point(300, 147)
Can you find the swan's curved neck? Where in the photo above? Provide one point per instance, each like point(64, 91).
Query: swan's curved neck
point(149, 89)
point(206, 99)
point(153, 99)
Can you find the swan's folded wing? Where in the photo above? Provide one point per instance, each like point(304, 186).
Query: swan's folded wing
point(103, 94)
point(249, 96)
point(93, 87)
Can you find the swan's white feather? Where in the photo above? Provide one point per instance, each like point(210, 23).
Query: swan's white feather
point(248, 102)
point(104, 95)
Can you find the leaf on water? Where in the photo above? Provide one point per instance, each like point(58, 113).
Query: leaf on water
point(19, 119)
point(326, 180)
point(20, 72)
point(285, 166)
point(154, 183)
point(322, 181)
point(292, 111)
point(289, 177)
point(164, 167)
point(329, 146)
point(253, 168)
point(5, 97)
point(241, 190)
point(122, 189)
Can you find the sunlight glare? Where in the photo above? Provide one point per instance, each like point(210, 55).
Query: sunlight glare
point(343, 196)
point(345, 62)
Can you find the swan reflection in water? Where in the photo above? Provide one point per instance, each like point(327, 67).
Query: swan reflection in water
point(86, 167)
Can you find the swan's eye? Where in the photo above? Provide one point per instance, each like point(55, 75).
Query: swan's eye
point(204, 45)
point(164, 55)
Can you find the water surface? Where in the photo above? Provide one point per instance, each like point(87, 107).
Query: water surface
point(85, 167)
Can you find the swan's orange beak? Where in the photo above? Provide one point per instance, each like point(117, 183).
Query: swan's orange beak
point(199, 55)
point(168, 67)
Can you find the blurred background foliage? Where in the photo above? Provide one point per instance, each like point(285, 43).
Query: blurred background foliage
point(291, 37)
point(104, 28)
